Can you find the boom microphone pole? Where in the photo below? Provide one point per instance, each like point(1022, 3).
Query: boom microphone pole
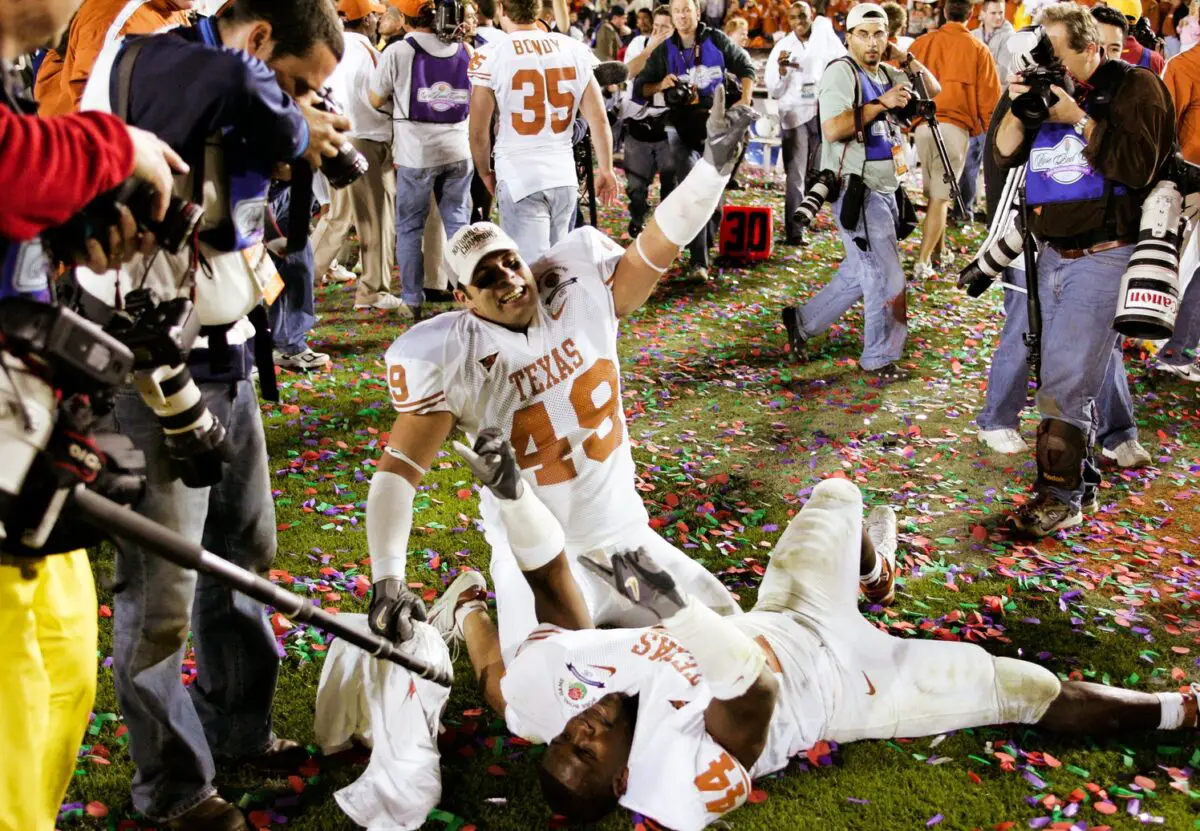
point(124, 523)
point(1033, 337)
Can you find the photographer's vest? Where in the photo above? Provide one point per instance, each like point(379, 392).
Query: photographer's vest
point(232, 272)
point(1057, 171)
point(880, 134)
point(439, 91)
point(701, 64)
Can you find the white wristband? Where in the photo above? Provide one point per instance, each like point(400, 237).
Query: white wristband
point(729, 658)
point(389, 522)
point(534, 534)
point(686, 210)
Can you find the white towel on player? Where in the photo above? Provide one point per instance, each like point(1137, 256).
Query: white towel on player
point(398, 715)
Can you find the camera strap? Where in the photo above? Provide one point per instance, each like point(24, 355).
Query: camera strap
point(125, 78)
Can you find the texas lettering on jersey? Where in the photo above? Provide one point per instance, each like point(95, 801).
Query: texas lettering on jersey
point(547, 371)
point(656, 645)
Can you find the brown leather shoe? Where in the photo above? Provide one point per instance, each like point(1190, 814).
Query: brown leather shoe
point(213, 814)
point(281, 756)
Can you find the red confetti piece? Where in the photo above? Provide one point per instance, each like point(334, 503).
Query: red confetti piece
point(1106, 808)
point(758, 796)
point(496, 770)
point(96, 809)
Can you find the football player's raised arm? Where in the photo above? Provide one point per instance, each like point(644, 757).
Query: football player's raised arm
point(684, 213)
point(534, 535)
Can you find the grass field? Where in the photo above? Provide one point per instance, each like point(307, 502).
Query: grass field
point(729, 436)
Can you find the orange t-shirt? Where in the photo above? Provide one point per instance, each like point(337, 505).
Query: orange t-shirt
point(1182, 78)
point(967, 73)
point(61, 91)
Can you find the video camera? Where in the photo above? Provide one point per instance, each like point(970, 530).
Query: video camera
point(63, 488)
point(448, 20)
point(1033, 107)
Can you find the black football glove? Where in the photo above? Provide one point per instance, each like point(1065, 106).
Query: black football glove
point(393, 609)
point(638, 578)
point(493, 462)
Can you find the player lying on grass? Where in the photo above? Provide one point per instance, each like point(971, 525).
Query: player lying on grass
point(674, 721)
point(534, 353)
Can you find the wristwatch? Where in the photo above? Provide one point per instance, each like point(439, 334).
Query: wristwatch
point(1082, 123)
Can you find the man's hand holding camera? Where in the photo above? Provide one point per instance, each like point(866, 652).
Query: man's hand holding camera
point(1064, 111)
point(896, 98)
point(326, 131)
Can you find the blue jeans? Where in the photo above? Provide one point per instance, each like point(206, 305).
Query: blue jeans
point(685, 159)
point(538, 221)
point(1009, 375)
point(970, 175)
point(450, 184)
point(1079, 298)
point(175, 731)
point(1180, 350)
point(870, 271)
point(293, 313)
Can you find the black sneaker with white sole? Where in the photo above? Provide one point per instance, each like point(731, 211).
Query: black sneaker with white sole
point(1043, 516)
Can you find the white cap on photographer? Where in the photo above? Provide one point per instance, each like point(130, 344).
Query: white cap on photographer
point(866, 13)
point(470, 245)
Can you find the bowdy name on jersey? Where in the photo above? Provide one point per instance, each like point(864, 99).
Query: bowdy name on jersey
point(553, 390)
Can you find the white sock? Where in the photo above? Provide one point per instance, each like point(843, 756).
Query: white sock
point(466, 610)
point(874, 574)
point(1172, 710)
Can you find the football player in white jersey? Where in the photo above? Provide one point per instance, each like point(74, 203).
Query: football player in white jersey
point(535, 83)
point(673, 722)
point(534, 353)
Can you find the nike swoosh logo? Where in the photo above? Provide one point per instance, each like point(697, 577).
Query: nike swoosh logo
point(556, 315)
point(609, 670)
point(870, 686)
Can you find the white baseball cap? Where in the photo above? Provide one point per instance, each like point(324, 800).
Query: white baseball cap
point(470, 245)
point(866, 13)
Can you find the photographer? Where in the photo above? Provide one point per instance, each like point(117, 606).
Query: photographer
point(1085, 183)
point(863, 149)
point(48, 606)
point(646, 148)
point(694, 60)
point(247, 77)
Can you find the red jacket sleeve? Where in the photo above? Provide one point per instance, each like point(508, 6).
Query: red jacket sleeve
point(52, 167)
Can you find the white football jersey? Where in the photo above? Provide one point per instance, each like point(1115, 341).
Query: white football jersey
point(554, 391)
point(538, 79)
point(679, 775)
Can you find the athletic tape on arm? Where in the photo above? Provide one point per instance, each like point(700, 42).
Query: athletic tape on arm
point(728, 657)
point(534, 534)
point(687, 209)
point(389, 522)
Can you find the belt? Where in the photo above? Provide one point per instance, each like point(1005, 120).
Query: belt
point(1076, 253)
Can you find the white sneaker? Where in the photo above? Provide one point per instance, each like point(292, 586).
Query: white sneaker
point(1006, 441)
point(338, 273)
point(388, 302)
point(1188, 372)
point(923, 271)
point(1128, 454)
point(468, 587)
point(881, 530)
point(302, 361)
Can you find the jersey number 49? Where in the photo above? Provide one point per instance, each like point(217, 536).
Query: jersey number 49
point(537, 446)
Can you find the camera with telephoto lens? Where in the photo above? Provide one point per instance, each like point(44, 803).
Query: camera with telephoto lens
point(348, 166)
point(1033, 106)
point(160, 334)
point(68, 242)
point(998, 252)
point(824, 188)
point(1149, 298)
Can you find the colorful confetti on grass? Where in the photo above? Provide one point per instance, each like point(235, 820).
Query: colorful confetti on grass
point(730, 436)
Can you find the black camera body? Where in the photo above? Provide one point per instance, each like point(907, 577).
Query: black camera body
point(68, 242)
point(1033, 107)
point(348, 166)
point(683, 94)
point(916, 107)
point(448, 19)
point(158, 333)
